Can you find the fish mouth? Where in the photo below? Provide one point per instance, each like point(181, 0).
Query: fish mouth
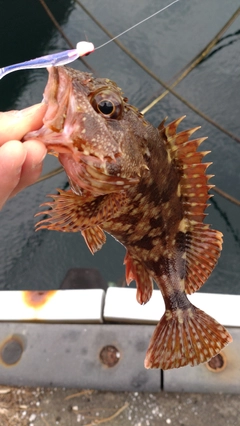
point(94, 172)
point(70, 120)
point(73, 132)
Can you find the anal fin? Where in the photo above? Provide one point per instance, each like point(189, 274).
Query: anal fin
point(136, 271)
point(183, 338)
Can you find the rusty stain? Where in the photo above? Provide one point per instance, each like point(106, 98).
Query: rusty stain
point(217, 363)
point(11, 351)
point(37, 299)
point(109, 356)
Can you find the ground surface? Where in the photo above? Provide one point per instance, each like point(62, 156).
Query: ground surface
point(70, 407)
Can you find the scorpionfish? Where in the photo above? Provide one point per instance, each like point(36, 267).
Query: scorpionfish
point(148, 188)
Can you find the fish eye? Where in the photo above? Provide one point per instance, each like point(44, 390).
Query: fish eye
point(107, 103)
point(106, 107)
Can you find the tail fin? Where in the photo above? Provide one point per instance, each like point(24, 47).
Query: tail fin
point(185, 337)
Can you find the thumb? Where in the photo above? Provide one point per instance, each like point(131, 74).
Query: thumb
point(15, 124)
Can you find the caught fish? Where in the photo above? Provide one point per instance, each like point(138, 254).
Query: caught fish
point(148, 188)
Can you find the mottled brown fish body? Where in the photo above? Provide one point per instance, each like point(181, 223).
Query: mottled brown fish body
point(148, 188)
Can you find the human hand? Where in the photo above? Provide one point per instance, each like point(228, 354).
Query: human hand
point(20, 163)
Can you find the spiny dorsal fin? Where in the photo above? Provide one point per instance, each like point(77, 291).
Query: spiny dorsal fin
point(193, 186)
point(201, 246)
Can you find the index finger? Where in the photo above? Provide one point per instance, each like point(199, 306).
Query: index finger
point(15, 124)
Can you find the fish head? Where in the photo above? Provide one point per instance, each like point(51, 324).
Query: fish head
point(97, 136)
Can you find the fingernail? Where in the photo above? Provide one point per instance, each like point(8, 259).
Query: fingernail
point(44, 155)
point(39, 163)
point(30, 110)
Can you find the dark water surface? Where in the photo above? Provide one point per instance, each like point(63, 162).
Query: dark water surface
point(30, 260)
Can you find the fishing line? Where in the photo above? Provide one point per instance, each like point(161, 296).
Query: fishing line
point(60, 30)
point(136, 25)
point(83, 48)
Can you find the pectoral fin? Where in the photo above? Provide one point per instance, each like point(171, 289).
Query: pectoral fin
point(71, 212)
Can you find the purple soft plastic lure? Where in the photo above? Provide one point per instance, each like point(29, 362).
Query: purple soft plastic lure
point(62, 58)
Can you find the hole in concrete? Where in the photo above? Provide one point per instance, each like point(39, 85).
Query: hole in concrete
point(11, 351)
point(109, 356)
point(217, 363)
